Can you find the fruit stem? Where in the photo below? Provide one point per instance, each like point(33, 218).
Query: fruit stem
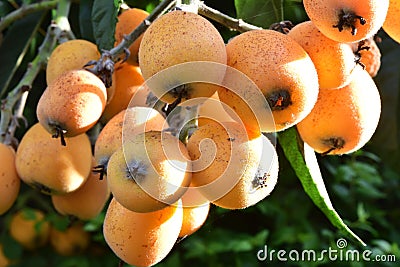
point(229, 22)
point(18, 95)
point(347, 20)
point(25, 10)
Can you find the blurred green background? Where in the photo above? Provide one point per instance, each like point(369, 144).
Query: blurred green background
point(364, 186)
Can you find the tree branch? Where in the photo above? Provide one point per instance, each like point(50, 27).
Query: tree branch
point(229, 22)
point(18, 95)
point(26, 10)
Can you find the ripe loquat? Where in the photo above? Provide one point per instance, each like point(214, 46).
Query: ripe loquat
point(9, 180)
point(87, 201)
point(347, 21)
point(70, 55)
point(142, 239)
point(392, 24)
point(49, 167)
point(150, 171)
point(125, 124)
point(178, 37)
point(283, 72)
point(29, 228)
point(72, 104)
point(333, 60)
point(128, 80)
point(232, 169)
point(368, 55)
point(195, 211)
point(71, 241)
point(343, 120)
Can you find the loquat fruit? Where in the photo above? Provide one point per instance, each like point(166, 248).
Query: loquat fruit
point(142, 239)
point(29, 228)
point(150, 171)
point(87, 201)
point(49, 167)
point(9, 181)
point(71, 241)
point(342, 121)
point(195, 211)
point(179, 37)
point(70, 55)
point(368, 55)
point(283, 72)
point(347, 21)
point(392, 24)
point(333, 60)
point(125, 124)
point(231, 168)
point(128, 80)
point(72, 104)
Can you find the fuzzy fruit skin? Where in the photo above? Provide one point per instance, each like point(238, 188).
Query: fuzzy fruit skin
point(128, 20)
point(334, 61)
point(72, 241)
point(225, 172)
point(70, 55)
point(9, 181)
point(275, 62)
point(351, 113)
point(195, 211)
point(142, 239)
point(29, 230)
point(128, 80)
point(179, 37)
point(128, 122)
point(165, 171)
point(392, 23)
point(325, 14)
point(74, 102)
point(42, 162)
point(255, 184)
point(87, 201)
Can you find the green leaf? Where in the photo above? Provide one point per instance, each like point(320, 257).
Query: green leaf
point(15, 45)
point(104, 18)
point(85, 24)
point(260, 13)
point(305, 164)
point(13, 250)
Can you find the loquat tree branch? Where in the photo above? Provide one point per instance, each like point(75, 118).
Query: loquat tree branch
point(26, 10)
point(13, 105)
point(229, 22)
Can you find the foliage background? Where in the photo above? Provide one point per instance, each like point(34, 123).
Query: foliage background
point(364, 187)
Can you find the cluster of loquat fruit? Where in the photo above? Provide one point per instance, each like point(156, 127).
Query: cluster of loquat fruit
point(316, 76)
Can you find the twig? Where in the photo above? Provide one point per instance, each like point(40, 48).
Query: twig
point(232, 23)
point(18, 95)
point(25, 10)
